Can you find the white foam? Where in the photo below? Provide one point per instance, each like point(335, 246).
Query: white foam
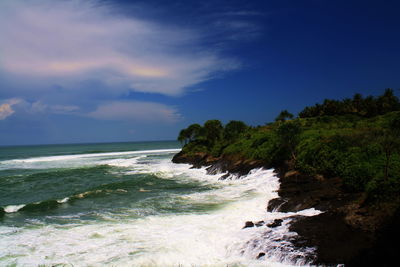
point(13, 208)
point(66, 161)
point(213, 238)
point(121, 162)
point(64, 200)
point(92, 155)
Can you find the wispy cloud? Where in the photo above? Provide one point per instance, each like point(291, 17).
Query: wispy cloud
point(22, 106)
point(136, 111)
point(5, 111)
point(80, 40)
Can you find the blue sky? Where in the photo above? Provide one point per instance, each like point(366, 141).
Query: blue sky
point(100, 71)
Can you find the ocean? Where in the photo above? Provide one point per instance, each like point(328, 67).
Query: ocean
point(127, 204)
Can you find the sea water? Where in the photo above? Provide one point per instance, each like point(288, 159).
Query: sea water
point(127, 204)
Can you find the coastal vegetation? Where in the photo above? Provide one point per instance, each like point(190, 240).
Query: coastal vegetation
point(356, 139)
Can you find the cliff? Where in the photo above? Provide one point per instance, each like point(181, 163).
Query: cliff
point(350, 230)
point(340, 157)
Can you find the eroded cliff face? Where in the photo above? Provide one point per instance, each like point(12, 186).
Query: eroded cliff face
point(232, 164)
point(350, 231)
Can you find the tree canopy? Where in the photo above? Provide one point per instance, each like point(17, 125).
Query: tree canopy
point(284, 115)
point(358, 105)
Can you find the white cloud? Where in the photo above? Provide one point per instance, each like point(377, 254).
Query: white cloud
point(64, 41)
point(6, 109)
point(136, 111)
point(21, 106)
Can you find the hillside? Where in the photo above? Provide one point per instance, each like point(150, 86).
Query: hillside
point(342, 157)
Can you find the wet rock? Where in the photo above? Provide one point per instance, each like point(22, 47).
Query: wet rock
point(260, 223)
point(275, 204)
point(261, 254)
point(335, 241)
point(234, 164)
point(214, 169)
point(224, 177)
point(248, 224)
point(275, 223)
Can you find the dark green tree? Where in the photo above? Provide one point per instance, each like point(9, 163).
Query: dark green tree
point(357, 103)
point(193, 132)
point(289, 136)
point(389, 141)
point(233, 130)
point(388, 102)
point(182, 137)
point(213, 131)
point(284, 115)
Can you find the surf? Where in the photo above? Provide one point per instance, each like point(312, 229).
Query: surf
point(139, 209)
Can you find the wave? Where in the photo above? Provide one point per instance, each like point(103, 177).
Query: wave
point(13, 208)
point(181, 237)
point(203, 238)
point(37, 206)
point(54, 203)
point(30, 162)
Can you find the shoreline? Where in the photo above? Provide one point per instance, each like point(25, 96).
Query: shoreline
point(349, 230)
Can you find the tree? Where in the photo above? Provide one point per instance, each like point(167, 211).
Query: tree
point(357, 103)
point(388, 102)
point(193, 132)
point(213, 131)
point(233, 129)
point(284, 115)
point(389, 141)
point(182, 137)
point(289, 135)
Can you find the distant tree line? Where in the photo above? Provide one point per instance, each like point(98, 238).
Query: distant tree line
point(213, 135)
point(369, 106)
point(212, 131)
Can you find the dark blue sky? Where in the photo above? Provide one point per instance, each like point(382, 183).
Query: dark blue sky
point(99, 71)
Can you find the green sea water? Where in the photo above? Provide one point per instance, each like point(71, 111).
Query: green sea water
point(126, 204)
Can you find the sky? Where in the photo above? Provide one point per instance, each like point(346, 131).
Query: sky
point(82, 71)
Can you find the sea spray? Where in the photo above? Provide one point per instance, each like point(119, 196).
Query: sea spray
point(146, 211)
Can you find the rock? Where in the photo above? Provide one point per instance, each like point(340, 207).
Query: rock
point(261, 254)
point(224, 177)
point(275, 204)
point(234, 164)
point(334, 240)
point(260, 223)
point(298, 192)
point(248, 224)
point(196, 159)
point(350, 231)
point(291, 173)
point(275, 223)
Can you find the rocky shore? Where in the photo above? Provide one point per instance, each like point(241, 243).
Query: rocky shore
point(351, 230)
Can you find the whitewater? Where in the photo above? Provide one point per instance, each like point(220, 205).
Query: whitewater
point(129, 205)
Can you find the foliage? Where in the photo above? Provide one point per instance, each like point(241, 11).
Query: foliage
point(284, 115)
point(189, 134)
point(356, 139)
point(365, 107)
point(234, 129)
point(289, 136)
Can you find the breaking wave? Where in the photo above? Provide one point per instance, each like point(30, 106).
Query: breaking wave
point(149, 212)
